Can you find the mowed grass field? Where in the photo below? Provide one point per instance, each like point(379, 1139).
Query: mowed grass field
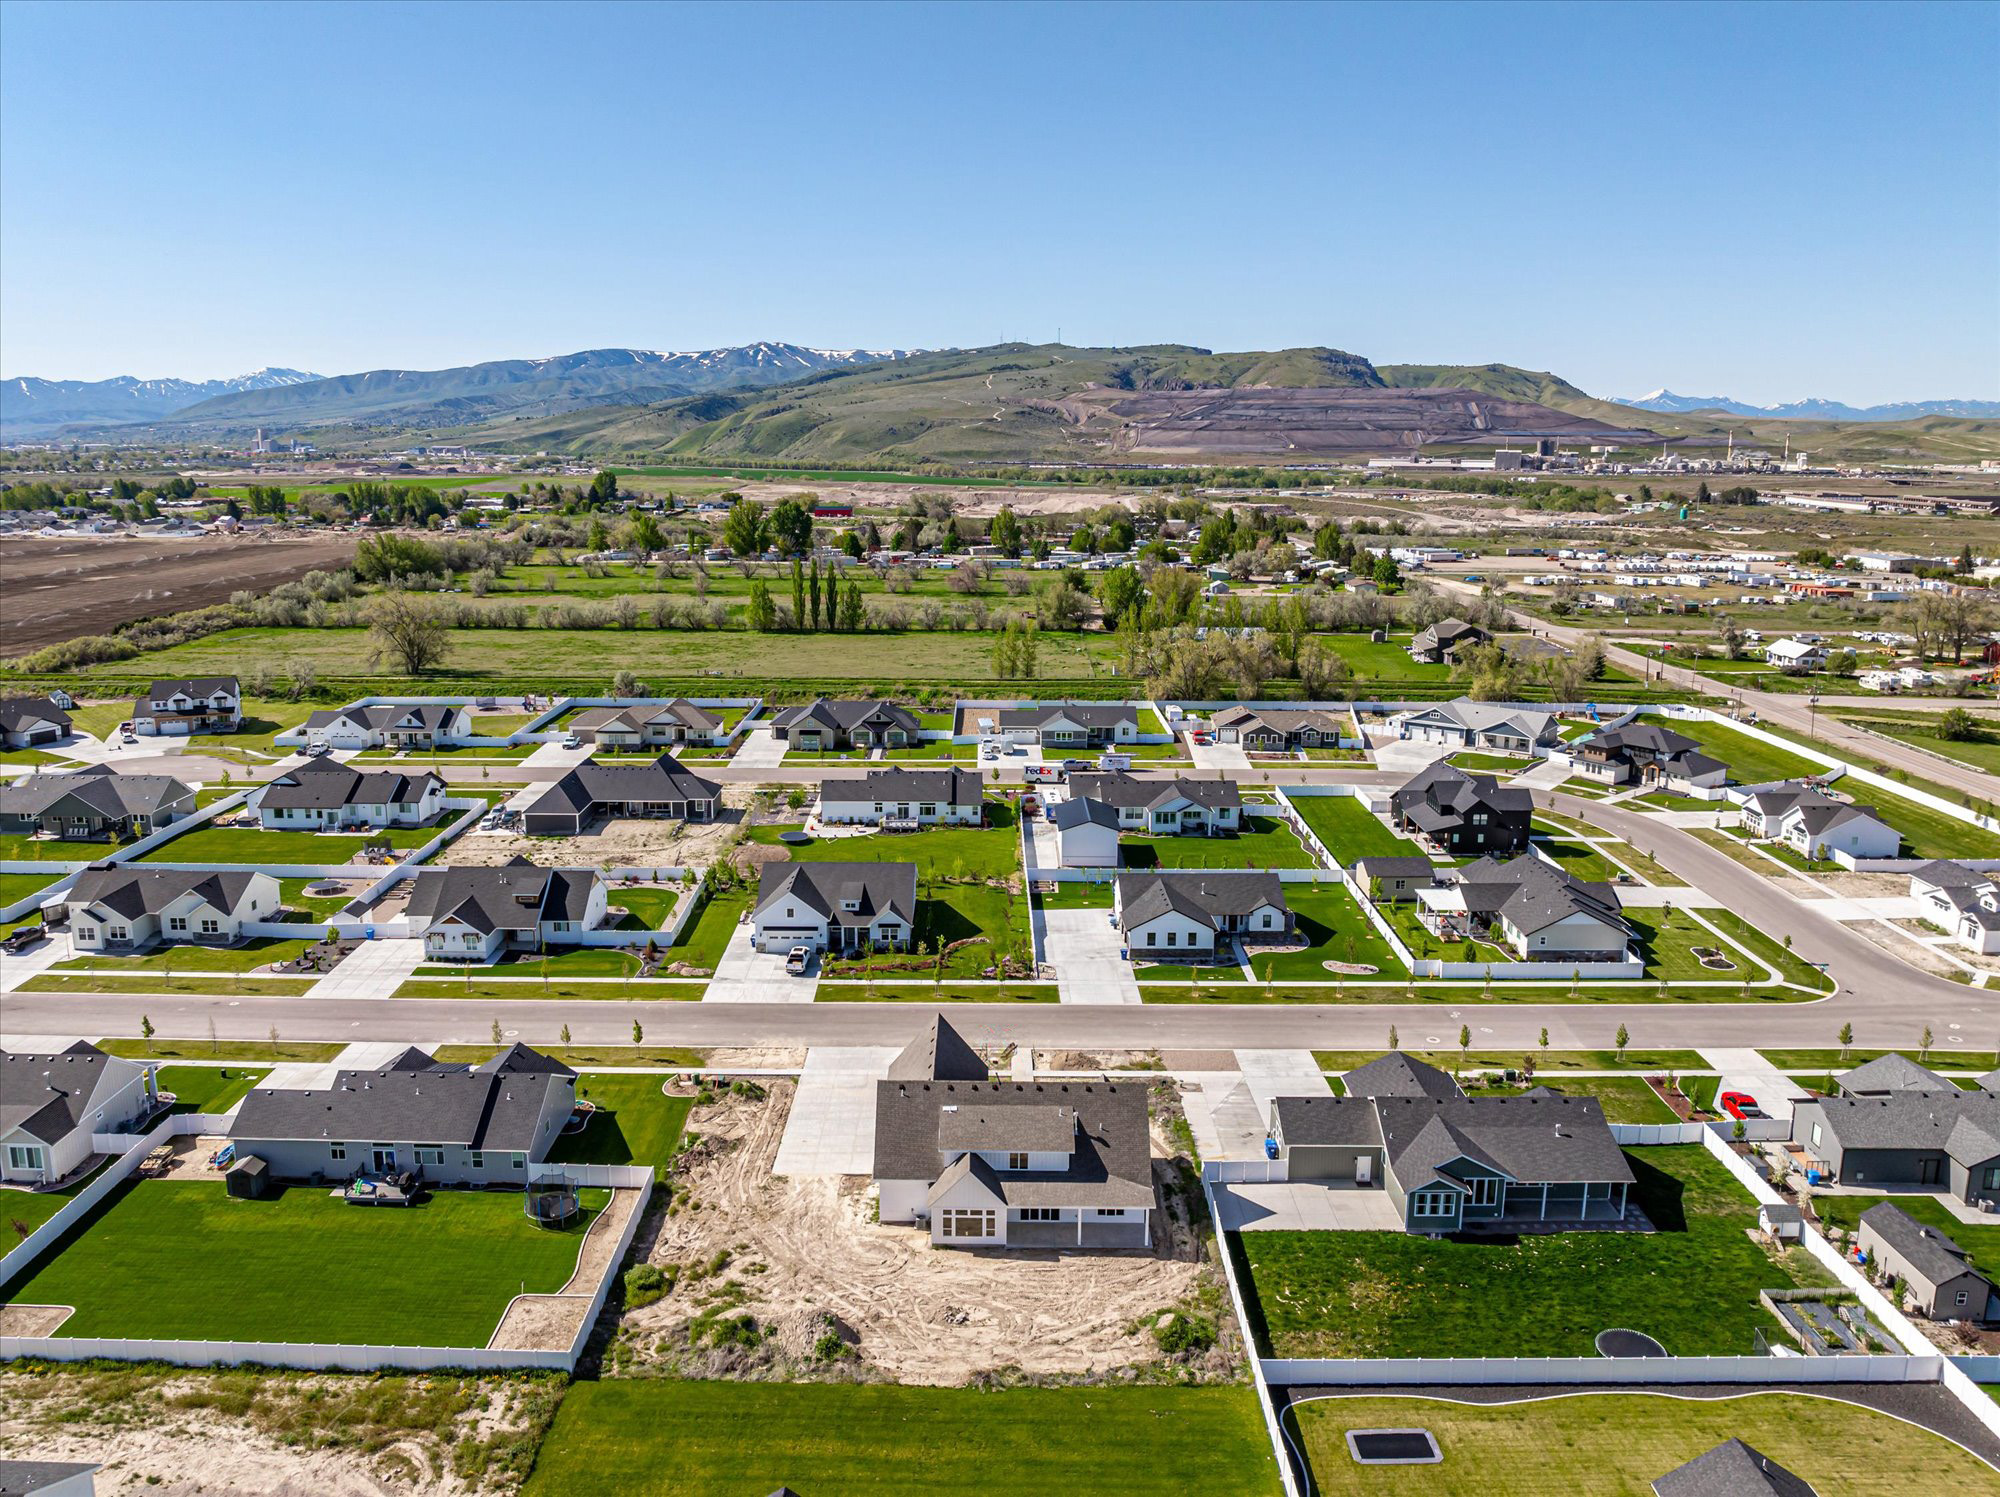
point(180, 1260)
point(1349, 830)
point(1618, 1444)
point(1691, 1284)
point(1920, 728)
point(740, 1439)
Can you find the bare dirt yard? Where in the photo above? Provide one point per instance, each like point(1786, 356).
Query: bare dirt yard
point(804, 1258)
point(624, 843)
point(234, 1434)
point(58, 589)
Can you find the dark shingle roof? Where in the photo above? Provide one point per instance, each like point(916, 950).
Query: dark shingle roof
point(950, 787)
point(972, 1125)
point(1732, 1469)
point(1533, 894)
point(875, 888)
point(1201, 896)
point(45, 1095)
point(1399, 1075)
point(132, 892)
point(1965, 1125)
point(938, 1053)
point(1443, 795)
point(18, 714)
point(474, 1109)
point(1080, 809)
point(1084, 714)
point(591, 784)
point(193, 686)
point(432, 715)
point(1395, 867)
point(1925, 1251)
point(320, 784)
point(1327, 1121)
point(631, 717)
point(101, 788)
point(1530, 1139)
point(847, 716)
point(1127, 790)
point(1111, 1165)
point(514, 896)
point(1891, 1073)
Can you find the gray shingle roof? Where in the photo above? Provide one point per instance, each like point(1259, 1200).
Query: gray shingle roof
point(100, 788)
point(592, 784)
point(1395, 867)
point(1286, 720)
point(133, 892)
point(1201, 896)
point(949, 787)
point(474, 1109)
point(435, 716)
point(1327, 1121)
point(1049, 1129)
point(1101, 715)
point(846, 716)
point(1925, 1251)
point(1111, 1166)
point(1078, 810)
point(1127, 790)
point(517, 895)
point(876, 888)
point(1891, 1073)
point(938, 1053)
point(320, 784)
point(1530, 1139)
point(22, 1478)
point(1965, 1125)
point(45, 1094)
point(1533, 894)
point(19, 714)
point(1530, 723)
point(193, 686)
point(633, 716)
point(1732, 1469)
point(1399, 1075)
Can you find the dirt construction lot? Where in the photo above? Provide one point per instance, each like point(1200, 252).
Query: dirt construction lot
point(806, 1248)
point(58, 589)
point(624, 844)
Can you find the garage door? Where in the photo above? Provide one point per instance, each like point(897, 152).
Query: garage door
point(785, 940)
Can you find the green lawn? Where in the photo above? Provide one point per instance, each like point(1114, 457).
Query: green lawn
point(1626, 1099)
point(263, 719)
point(573, 961)
point(209, 1088)
point(18, 847)
point(1822, 1061)
point(950, 991)
point(14, 886)
point(994, 921)
point(1337, 929)
point(187, 957)
point(651, 906)
point(300, 1266)
point(1927, 833)
point(1617, 1444)
point(1790, 965)
point(212, 987)
point(244, 1050)
point(1578, 858)
point(648, 1436)
point(293, 892)
point(1546, 1061)
point(1920, 728)
point(579, 1056)
point(1666, 940)
point(1349, 830)
point(1981, 1242)
point(635, 1123)
point(1692, 1284)
point(1501, 764)
point(636, 990)
point(707, 935)
point(992, 851)
point(230, 844)
point(1751, 761)
point(1418, 940)
point(30, 1208)
point(1077, 894)
point(1265, 842)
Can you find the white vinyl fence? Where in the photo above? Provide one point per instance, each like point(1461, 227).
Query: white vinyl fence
point(1293, 1372)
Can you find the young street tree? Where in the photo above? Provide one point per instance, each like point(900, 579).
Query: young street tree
point(408, 630)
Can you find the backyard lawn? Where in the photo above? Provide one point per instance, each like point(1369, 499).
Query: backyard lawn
point(1692, 1284)
point(648, 906)
point(1076, 894)
point(638, 1436)
point(1927, 833)
point(992, 851)
point(30, 1208)
point(19, 847)
point(1546, 1061)
point(1348, 829)
point(209, 1088)
point(1265, 842)
point(232, 844)
point(1626, 1099)
point(1617, 1444)
point(1338, 931)
point(635, 1123)
point(1751, 761)
point(14, 886)
point(300, 1265)
point(1577, 858)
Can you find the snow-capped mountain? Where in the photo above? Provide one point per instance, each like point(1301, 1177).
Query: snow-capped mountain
point(1816, 409)
point(29, 406)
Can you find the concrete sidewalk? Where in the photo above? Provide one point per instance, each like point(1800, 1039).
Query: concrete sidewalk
point(831, 1127)
point(1304, 1207)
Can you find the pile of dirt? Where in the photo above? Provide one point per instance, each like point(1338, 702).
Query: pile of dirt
point(793, 1253)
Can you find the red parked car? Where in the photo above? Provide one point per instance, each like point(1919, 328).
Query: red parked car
point(1739, 1105)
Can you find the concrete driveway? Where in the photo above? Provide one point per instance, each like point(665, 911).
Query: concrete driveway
point(16, 967)
point(759, 749)
point(1305, 1206)
point(1406, 756)
point(831, 1127)
point(1230, 1111)
point(375, 969)
point(1217, 755)
point(1747, 1071)
point(555, 756)
point(1083, 947)
point(747, 975)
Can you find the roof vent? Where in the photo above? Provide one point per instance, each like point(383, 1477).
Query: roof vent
point(951, 1107)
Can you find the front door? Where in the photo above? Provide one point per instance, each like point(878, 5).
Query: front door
point(1927, 1172)
point(383, 1158)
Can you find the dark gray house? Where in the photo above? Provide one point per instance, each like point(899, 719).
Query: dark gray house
point(28, 722)
point(1732, 1469)
point(453, 1124)
point(662, 789)
point(829, 724)
point(1464, 813)
point(473, 914)
point(1936, 1270)
point(97, 802)
point(1928, 1140)
point(1444, 639)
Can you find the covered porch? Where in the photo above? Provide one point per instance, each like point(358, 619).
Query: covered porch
point(1078, 1227)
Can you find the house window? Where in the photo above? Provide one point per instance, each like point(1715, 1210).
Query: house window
point(1016, 1160)
point(517, 1161)
point(1112, 1211)
point(1151, 936)
point(117, 932)
point(968, 1224)
point(210, 927)
point(476, 1159)
point(1486, 1190)
point(1815, 1135)
point(177, 923)
point(1041, 1214)
point(336, 1152)
point(1173, 937)
point(1267, 919)
point(1961, 1299)
point(430, 1156)
point(23, 1158)
point(1431, 1203)
point(1992, 1179)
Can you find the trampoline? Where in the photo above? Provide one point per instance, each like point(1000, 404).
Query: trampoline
point(1622, 1343)
point(551, 1203)
point(1393, 1447)
point(795, 838)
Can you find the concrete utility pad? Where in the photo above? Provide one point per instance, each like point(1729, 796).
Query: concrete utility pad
point(1304, 1207)
point(831, 1127)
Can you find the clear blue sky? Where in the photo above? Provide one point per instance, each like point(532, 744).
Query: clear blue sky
point(1764, 201)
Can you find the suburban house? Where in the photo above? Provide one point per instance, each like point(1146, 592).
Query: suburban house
point(1817, 826)
point(826, 724)
point(1928, 1140)
point(1273, 729)
point(1165, 808)
point(322, 795)
point(50, 1105)
point(908, 797)
point(1392, 880)
point(643, 724)
point(394, 725)
point(1071, 724)
point(1462, 812)
point(1958, 899)
point(1197, 914)
point(1888, 1074)
point(85, 804)
point(1441, 641)
point(1645, 753)
point(1453, 1163)
point(1086, 833)
point(472, 914)
point(29, 722)
point(113, 908)
point(200, 704)
point(1732, 1469)
point(982, 1163)
point(1466, 724)
point(1542, 912)
point(1795, 655)
point(1935, 1270)
point(593, 791)
point(1760, 811)
point(450, 1124)
point(843, 908)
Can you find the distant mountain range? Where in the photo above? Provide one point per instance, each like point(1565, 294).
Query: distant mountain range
point(29, 405)
point(275, 398)
point(1667, 401)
